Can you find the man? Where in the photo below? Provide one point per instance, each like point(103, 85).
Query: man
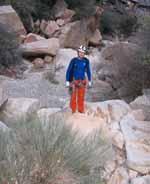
point(75, 78)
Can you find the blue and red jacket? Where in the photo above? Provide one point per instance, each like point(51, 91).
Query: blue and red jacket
point(77, 69)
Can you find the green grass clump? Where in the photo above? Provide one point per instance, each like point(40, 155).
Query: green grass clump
point(36, 154)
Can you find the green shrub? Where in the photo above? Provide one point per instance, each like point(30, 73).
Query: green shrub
point(9, 47)
point(113, 22)
point(109, 22)
point(128, 24)
point(53, 154)
point(83, 8)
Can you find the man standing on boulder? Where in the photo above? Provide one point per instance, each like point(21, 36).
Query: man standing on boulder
point(76, 80)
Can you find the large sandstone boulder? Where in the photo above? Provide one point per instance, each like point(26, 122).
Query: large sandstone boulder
point(111, 110)
point(101, 91)
point(121, 69)
point(101, 115)
point(62, 60)
point(9, 16)
point(96, 39)
point(51, 28)
point(61, 11)
point(136, 135)
point(77, 33)
point(31, 37)
point(42, 47)
point(19, 109)
point(142, 102)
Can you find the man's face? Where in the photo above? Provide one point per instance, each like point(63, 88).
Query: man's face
point(81, 54)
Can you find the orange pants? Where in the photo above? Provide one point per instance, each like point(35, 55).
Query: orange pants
point(77, 98)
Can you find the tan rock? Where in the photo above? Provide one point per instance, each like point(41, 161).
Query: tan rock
point(38, 63)
point(112, 110)
point(133, 174)
point(142, 102)
point(119, 177)
point(77, 33)
point(138, 114)
point(47, 46)
point(9, 16)
point(48, 59)
point(96, 39)
point(68, 15)
point(136, 135)
point(51, 28)
point(19, 109)
point(101, 91)
point(31, 37)
point(117, 136)
point(60, 22)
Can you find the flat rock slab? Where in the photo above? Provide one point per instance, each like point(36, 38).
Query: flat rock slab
point(83, 124)
point(137, 143)
point(42, 47)
point(19, 109)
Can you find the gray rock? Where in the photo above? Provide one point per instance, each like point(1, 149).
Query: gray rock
point(35, 85)
point(9, 16)
point(141, 180)
point(136, 135)
point(19, 109)
point(3, 94)
point(3, 127)
point(142, 102)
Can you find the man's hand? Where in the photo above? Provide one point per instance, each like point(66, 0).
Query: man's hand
point(90, 84)
point(67, 84)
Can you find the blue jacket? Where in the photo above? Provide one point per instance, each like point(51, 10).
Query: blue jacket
point(77, 69)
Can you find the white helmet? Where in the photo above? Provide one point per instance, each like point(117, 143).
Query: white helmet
point(82, 49)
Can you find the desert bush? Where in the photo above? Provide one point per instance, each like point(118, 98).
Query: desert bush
point(113, 22)
point(53, 154)
point(9, 47)
point(128, 24)
point(83, 8)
